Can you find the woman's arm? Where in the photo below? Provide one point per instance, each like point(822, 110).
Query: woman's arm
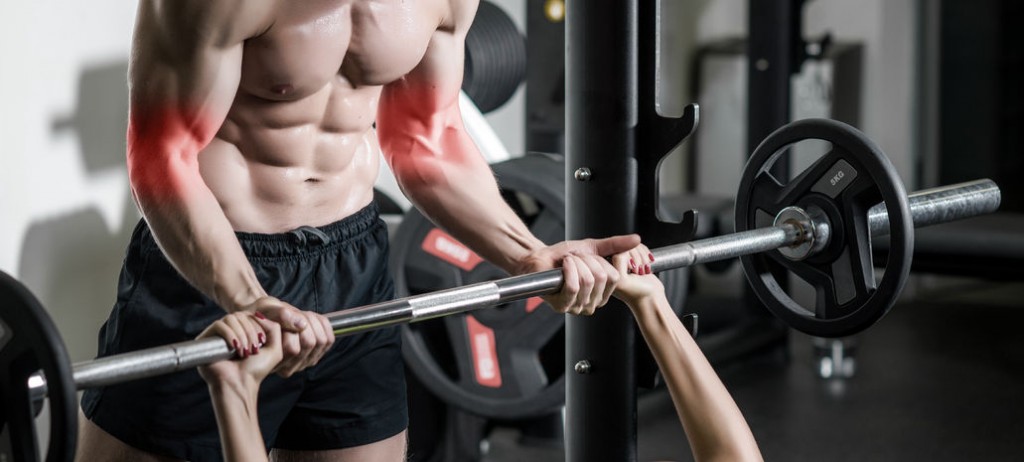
point(234, 384)
point(713, 423)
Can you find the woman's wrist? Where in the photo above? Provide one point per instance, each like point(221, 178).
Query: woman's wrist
point(647, 303)
point(240, 384)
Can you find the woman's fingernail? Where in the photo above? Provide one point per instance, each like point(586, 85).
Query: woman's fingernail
point(262, 338)
point(253, 350)
point(234, 343)
point(259, 315)
point(651, 256)
point(631, 262)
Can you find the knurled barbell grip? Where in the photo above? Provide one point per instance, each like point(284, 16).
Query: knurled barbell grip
point(725, 247)
point(927, 207)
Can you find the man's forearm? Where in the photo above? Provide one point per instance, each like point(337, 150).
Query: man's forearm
point(714, 424)
point(193, 231)
point(453, 185)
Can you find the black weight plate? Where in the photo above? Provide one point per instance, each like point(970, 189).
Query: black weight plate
point(495, 62)
point(29, 342)
point(523, 374)
point(844, 183)
point(502, 362)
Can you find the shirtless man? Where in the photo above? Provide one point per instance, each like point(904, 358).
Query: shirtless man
point(252, 153)
point(713, 423)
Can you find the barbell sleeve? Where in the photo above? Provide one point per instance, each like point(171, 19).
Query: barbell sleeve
point(928, 207)
point(941, 205)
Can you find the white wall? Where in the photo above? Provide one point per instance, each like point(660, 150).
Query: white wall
point(63, 190)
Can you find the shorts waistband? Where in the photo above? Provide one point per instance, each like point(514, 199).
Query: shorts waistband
point(297, 243)
point(306, 240)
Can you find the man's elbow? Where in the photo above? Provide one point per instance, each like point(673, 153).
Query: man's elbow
point(159, 175)
point(420, 175)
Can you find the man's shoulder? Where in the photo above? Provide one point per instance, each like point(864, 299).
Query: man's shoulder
point(458, 15)
point(222, 22)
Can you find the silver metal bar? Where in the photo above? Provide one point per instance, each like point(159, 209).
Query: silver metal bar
point(942, 204)
point(927, 207)
point(725, 247)
point(145, 363)
point(444, 302)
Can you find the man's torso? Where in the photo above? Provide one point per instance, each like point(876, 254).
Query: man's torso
point(298, 145)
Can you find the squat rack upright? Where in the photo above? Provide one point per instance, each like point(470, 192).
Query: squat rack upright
point(615, 140)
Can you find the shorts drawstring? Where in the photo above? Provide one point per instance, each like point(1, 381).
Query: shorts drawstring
point(309, 235)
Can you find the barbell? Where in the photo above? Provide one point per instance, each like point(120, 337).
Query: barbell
point(818, 226)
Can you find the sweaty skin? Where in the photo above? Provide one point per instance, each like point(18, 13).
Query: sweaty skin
point(258, 116)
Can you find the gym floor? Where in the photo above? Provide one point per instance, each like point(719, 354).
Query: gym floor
point(940, 378)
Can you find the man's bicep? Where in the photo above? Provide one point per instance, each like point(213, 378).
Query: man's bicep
point(173, 101)
point(182, 76)
point(431, 88)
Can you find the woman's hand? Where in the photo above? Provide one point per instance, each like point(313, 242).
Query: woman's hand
point(636, 281)
point(257, 344)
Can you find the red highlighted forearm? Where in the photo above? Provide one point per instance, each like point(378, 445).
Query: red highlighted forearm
point(183, 214)
point(441, 170)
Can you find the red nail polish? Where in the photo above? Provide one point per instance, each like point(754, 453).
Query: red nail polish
point(259, 315)
point(253, 350)
point(631, 262)
point(234, 343)
point(263, 338)
point(651, 256)
point(648, 268)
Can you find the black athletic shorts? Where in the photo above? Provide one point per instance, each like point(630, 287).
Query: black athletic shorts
point(354, 396)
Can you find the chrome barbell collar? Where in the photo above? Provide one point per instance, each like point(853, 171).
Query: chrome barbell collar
point(813, 231)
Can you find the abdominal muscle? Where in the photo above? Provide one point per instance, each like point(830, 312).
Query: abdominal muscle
point(309, 160)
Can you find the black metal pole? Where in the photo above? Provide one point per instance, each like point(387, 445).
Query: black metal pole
point(601, 116)
point(774, 53)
